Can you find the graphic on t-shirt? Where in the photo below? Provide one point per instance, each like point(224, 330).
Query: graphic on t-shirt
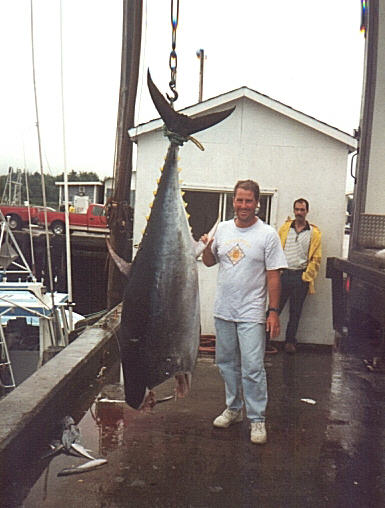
point(235, 254)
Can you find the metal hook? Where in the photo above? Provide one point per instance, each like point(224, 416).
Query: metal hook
point(172, 99)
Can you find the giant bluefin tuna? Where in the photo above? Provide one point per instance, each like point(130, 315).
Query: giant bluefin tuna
point(160, 322)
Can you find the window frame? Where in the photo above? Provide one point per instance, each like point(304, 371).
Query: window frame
point(223, 190)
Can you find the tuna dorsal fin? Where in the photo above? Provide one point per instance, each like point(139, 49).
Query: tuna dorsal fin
point(179, 123)
point(121, 263)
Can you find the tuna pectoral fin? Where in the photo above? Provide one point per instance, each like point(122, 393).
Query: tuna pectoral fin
point(183, 385)
point(200, 246)
point(182, 124)
point(121, 263)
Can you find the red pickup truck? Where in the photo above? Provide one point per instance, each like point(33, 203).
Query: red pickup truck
point(18, 216)
point(94, 220)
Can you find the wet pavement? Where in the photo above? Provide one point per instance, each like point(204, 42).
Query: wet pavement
point(327, 454)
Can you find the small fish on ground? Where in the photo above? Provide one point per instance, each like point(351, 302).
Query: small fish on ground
point(83, 468)
point(70, 435)
point(70, 444)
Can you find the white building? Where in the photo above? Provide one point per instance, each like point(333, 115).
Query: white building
point(288, 153)
point(109, 188)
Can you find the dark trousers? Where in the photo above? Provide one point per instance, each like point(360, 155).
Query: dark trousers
point(294, 289)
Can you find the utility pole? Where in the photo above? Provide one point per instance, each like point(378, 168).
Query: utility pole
point(201, 55)
point(119, 211)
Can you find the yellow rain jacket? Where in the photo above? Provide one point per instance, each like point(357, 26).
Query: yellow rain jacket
point(314, 254)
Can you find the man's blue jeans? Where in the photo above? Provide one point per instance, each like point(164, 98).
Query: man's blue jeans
point(240, 350)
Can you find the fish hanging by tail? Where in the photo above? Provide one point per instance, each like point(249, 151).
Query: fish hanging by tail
point(160, 322)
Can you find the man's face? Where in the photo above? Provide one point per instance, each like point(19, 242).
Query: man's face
point(244, 204)
point(300, 211)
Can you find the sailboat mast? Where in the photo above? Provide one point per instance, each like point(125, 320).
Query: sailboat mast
point(40, 154)
point(58, 337)
point(119, 207)
point(66, 200)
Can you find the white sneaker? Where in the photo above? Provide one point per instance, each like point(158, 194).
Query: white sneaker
point(258, 433)
point(227, 418)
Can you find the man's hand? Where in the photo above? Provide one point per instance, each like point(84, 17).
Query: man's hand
point(273, 278)
point(272, 324)
point(208, 257)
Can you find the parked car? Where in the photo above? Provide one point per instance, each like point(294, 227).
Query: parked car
point(19, 216)
point(94, 220)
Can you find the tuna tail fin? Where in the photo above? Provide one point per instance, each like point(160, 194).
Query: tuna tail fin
point(179, 123)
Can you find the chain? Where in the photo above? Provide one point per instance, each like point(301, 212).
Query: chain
point(173, 61)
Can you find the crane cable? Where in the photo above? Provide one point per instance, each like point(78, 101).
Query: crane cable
point(173, 60)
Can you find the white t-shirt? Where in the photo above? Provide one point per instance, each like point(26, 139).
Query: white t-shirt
point(244, 255)
point(297, 248)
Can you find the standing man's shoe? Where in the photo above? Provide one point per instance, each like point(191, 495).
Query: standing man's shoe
point(289, 348)
point(258, 433)
point(271, 350)
point(227, 418)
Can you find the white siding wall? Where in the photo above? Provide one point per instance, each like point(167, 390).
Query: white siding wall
point(279, 153)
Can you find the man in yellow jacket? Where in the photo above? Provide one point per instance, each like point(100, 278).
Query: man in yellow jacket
point(301, 242)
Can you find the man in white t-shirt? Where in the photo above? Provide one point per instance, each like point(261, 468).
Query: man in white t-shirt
point(250, 257)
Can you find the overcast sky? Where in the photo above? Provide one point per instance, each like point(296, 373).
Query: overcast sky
point(307, 54)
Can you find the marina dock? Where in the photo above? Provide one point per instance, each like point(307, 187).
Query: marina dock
point(325, 447)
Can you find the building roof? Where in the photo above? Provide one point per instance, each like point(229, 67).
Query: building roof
point(245, 92)
point(84, 184)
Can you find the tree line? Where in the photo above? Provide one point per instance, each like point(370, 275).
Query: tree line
point(33, 180)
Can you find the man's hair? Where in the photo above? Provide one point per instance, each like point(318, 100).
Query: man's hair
point(249, 185)
point(302, 200)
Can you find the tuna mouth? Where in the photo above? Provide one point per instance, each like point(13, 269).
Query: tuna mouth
point(149, 400)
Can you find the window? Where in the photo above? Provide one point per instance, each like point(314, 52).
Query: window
point(205, 207)
point(98, 211)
